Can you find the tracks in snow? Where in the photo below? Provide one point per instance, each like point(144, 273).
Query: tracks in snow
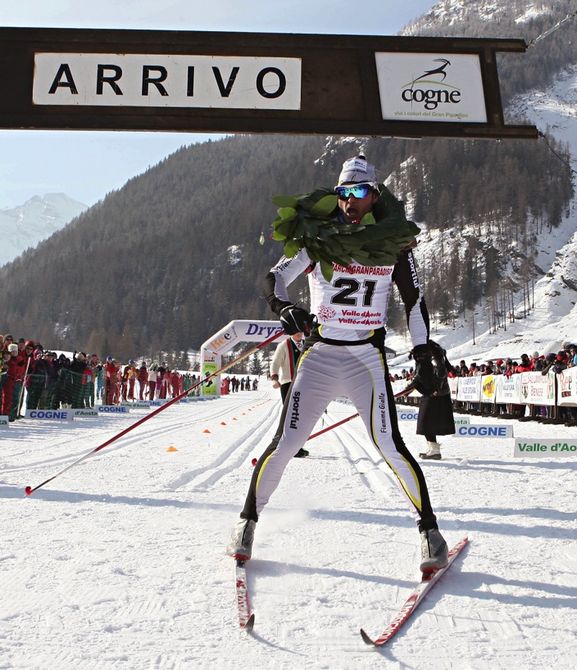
point(228, 460)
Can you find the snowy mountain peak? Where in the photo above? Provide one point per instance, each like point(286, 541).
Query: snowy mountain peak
point(458, 12)
point(23, 227)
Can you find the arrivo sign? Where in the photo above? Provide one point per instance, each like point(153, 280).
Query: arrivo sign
point(237, 82)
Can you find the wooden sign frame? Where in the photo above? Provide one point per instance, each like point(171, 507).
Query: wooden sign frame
point(146, 80)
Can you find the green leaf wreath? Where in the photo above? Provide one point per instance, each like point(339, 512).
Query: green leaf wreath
point(310, 222)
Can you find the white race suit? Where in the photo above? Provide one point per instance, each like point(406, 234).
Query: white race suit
point(345, 356)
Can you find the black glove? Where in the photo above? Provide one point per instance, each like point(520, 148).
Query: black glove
point(296, 320)
point(424, 380)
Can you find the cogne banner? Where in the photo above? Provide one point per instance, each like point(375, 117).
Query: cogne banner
point(433, 87)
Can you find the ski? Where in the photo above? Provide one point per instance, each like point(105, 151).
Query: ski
point(413, 601)
point(245, 613)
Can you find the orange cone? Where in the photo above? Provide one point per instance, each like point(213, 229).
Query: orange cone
point(172, 448)
point(206, 430)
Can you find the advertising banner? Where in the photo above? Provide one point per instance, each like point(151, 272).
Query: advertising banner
point(488, 388)
point(209, 368)
point(113, 409)
point(50, 414)
point(85, 412)
point(469, 389)
point(407, 413)
point(567, 387)
point(539, 447)
point(487, 431)
point(537, 389)
point(236, 332)
point(431, 87)
point(509, 390)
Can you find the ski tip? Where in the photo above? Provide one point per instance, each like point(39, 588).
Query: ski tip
point(248, 626)
point(463, 542)
point(366, 638)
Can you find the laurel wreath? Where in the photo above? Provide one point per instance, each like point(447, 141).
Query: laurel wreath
point(310, 222)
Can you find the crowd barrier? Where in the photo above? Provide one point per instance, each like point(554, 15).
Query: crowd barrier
point(73, 395)
point(526, 389)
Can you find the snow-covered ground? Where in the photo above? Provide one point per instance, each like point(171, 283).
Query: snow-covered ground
point(119, 562)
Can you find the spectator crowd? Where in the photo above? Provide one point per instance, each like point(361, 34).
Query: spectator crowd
point(41, 379)
point(556, 362)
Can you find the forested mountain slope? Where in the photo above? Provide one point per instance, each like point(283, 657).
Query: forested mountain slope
point(175, 254)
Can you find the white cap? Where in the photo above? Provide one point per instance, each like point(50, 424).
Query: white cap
point(358, 170)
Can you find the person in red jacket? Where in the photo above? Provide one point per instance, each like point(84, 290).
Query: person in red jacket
point(142, 379)
point(110, 381)
point(525, 365)
point(16, 373)
point(9, 376)
point(161, 383)
point(175, 381)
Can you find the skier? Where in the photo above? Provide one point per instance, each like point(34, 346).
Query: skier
point(344, 350)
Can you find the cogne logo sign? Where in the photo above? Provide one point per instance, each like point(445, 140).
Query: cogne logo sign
point(431, 87)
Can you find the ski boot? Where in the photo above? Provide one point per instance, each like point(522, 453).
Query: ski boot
point(240, 546)
point(434, 551)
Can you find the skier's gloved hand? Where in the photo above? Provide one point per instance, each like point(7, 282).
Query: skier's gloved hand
point(425, 379)
point(296, 320)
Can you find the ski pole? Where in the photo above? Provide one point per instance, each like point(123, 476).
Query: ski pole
point(29, 490)
point(334, 425)
point(324, 430)
point(406, 391)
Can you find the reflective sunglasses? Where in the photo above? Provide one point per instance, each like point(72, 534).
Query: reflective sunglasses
point(356, 190)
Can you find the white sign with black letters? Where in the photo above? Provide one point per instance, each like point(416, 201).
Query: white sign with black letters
point(142, 80)
point(431, 87)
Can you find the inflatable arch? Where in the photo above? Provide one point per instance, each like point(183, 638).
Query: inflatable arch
point(234, 333)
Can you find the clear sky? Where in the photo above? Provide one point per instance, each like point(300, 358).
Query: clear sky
point(88, 165)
